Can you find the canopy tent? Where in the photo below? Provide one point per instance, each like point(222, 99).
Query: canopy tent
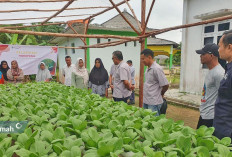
point(42, 11)
point(79, 11)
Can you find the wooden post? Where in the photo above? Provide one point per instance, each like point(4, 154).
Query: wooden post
point(139, 25)
point(143, 13)
point(57, 75)
point(148, 16)
point(70, 25)
point(85, 57)
point(85, 32)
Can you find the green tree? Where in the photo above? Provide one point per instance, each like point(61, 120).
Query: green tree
point(176, 60)
point(19, 39)
point(44, 40)
point(16, 39)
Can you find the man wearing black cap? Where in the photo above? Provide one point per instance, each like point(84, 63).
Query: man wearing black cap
point(209, 56)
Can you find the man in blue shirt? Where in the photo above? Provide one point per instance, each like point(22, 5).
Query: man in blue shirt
point(223, 106)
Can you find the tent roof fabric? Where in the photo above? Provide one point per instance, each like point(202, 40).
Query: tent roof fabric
point(84, 9)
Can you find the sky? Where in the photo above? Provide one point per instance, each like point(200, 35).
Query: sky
point(166, 13)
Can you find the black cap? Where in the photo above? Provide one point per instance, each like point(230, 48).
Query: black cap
point(209, 48)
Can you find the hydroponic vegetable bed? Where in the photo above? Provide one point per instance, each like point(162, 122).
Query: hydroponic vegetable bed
point(68, 122)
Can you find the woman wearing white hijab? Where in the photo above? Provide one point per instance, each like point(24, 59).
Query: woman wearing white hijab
point(80, 76)
point(43, 74)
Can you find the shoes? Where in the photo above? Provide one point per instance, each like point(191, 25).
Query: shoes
point(131, 102)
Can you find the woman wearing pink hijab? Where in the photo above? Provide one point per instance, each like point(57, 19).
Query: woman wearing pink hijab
point(15, 74)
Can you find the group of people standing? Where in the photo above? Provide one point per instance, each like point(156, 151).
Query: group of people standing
point(121, 79)
point(216, 102)
point(10, 75)
point(98, 79)
point(15, 74)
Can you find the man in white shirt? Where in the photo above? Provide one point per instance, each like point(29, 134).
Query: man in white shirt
point(67, 70)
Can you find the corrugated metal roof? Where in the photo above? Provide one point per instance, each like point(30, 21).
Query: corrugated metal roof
point(158, 41)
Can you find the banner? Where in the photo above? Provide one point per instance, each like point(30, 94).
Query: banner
point(29, 57)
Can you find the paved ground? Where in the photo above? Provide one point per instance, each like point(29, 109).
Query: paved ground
point(185, 99)
point(192, 100)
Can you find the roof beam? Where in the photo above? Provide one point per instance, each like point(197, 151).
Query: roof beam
point(33, 18)
point(2, 30)
point(160, 31)
point(86, 23)
point(70, 25)
point(148, 16)
point(115, 6)
point(31, 1)
point(101, 45)
point(139, 25)
point(58, 12)
point(49, 10)
point(25, 26)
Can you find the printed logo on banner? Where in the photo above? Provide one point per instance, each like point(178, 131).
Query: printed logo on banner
point(4, 48)
point(55, 49)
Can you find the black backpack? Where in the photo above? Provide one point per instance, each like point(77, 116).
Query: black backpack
point(164, 107)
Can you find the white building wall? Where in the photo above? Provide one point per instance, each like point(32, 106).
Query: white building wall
point(130, 52)
point(192, 74)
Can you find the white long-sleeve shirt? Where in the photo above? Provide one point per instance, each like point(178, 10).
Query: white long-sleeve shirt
point(67, 73)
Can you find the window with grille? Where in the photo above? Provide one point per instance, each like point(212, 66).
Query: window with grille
point(73, 50)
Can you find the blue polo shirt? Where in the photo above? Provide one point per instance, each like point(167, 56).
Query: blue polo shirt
point(223, 106)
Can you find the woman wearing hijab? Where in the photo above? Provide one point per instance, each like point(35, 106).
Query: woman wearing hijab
point(43, 74)
point(15, 74)
point(98, 79)
point(80, 76)
point(4, 68)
